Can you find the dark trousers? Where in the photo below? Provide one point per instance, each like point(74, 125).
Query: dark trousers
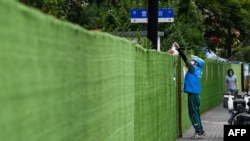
point(194, 111)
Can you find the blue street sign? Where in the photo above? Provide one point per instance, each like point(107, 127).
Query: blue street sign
point(141, 15)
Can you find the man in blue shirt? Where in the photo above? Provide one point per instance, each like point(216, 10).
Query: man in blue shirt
point(192, 86)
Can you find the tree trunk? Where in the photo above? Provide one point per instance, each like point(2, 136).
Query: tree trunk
point(229, 42)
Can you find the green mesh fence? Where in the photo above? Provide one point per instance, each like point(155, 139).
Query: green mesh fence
point(213, 85)
point(155, 97)
point(60, 82)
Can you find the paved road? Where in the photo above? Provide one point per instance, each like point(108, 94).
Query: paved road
point(213, 124)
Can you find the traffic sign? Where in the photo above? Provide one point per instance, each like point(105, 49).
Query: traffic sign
point(141, 15)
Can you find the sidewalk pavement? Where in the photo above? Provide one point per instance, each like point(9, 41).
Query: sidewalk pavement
point(213, 123)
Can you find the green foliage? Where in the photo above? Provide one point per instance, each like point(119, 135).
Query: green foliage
point(196, 21)
point(188, 32)
point(144, 42)
point(33, 3)
point(245, 54)
point(228, 20)
point(115, 18)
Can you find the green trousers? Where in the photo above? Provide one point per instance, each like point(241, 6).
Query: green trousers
point(194, 111)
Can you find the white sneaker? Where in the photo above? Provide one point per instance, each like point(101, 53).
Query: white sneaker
point(198, 135)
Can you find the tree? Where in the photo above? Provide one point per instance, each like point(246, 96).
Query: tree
point(222, 25)
point(227, 20)
point(187, 29)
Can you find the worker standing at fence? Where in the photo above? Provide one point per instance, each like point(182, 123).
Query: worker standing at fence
point(192, 86)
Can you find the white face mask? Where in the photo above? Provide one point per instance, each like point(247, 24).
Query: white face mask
point(192, 62)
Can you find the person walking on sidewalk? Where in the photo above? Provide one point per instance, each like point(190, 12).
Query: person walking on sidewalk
point(192, 86)
point(231, 82)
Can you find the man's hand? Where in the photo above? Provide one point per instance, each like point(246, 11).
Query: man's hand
point(173, 49)
point(176, 45)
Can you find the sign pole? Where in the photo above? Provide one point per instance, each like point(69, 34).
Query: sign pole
point(153, 22)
